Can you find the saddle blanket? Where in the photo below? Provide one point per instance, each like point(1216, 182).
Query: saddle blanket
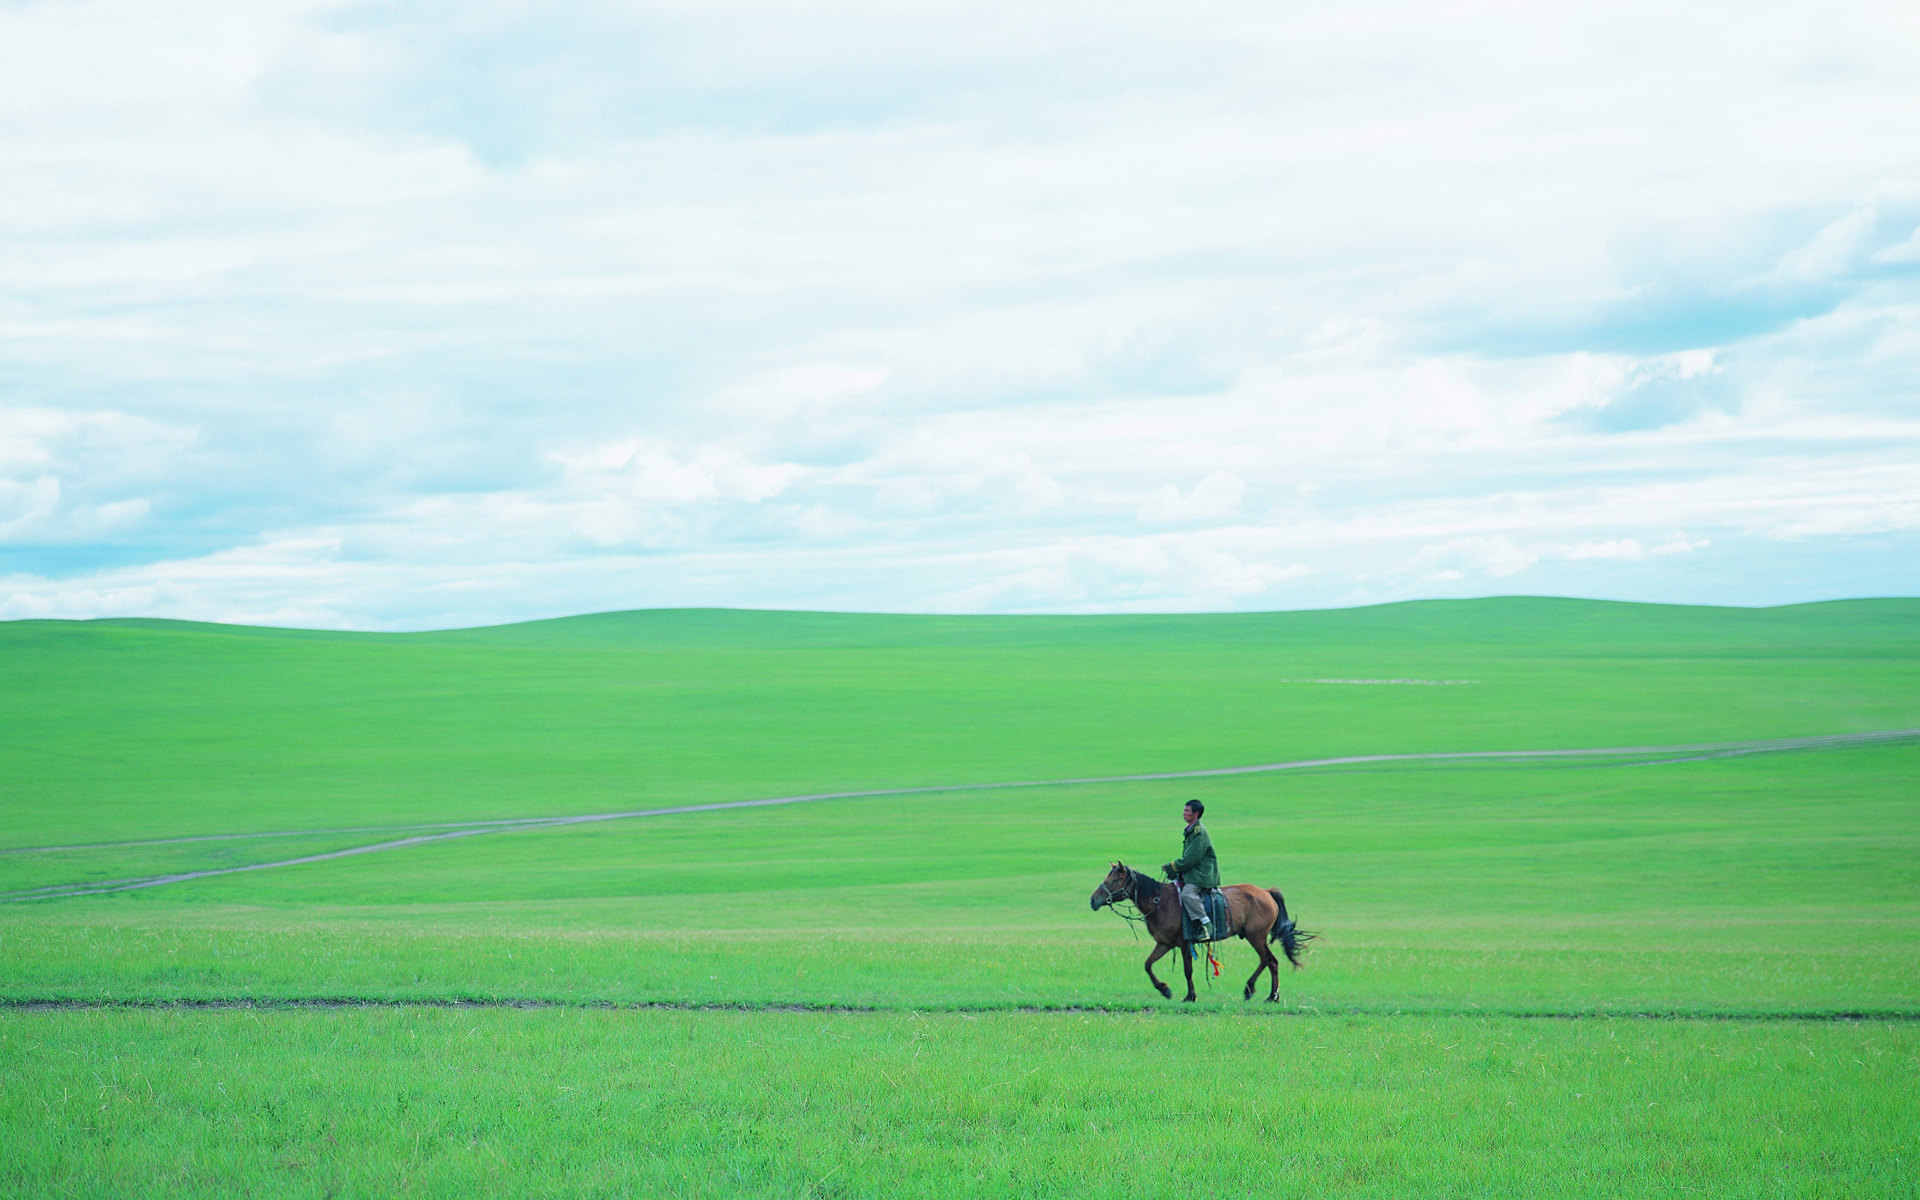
point(1215, 902)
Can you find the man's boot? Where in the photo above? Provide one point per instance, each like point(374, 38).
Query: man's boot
point(1206, 930)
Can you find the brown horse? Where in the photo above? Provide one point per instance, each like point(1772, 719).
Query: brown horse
point(1255, 913)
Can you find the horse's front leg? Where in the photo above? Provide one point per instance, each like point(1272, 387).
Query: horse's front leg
point(1162, 988)
point(1187, 960)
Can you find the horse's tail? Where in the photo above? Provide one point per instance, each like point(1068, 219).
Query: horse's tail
point(1291, 939)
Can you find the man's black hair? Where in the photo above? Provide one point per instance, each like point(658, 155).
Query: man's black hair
point(1198, 807)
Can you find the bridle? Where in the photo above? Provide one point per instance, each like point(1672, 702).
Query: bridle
point(1133, 890)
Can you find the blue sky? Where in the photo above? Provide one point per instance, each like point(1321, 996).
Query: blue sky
point(404, 315)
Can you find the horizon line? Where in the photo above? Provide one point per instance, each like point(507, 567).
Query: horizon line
point(910, 613)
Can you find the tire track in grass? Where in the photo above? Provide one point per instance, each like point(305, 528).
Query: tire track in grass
point(1251, 1008)
point(283, 833)
point(1651, 754)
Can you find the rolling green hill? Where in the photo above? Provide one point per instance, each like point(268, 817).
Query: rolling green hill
point(142, 729)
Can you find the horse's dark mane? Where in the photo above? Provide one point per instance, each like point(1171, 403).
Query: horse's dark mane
point(1141, 886)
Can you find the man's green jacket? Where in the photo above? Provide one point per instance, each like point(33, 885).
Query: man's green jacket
point(1196, 864)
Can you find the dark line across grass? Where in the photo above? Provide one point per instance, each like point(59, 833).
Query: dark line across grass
point(299, 1003)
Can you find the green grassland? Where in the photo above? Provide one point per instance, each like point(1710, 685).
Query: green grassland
point(464, 1103)
point(1466, 907)
point(1766, 884)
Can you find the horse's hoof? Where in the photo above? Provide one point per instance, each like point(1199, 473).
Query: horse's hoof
point(1166, 991)
point(1188, 1000)
point(1247, 995)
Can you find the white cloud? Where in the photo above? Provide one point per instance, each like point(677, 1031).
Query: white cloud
point(1217, 495)
point(1876, 231)
point(1460, 557)
point(1833, 517)
point(648, 470)
point(1900, 254)
point(26, 504)
point(910, 306)
point(809, 389)
point(1629, 549)
point(1164, 571)
point(1622, 548)
point(65, 477)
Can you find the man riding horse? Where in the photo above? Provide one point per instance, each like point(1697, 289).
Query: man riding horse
point(1196, 872)
point(1258, 914)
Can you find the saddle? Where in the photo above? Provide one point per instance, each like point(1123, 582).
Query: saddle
point(1214, 902)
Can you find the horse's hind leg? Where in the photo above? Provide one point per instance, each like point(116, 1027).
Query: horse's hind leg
point(1186, 960)
point(1162, 988)
point(1267, 963)
point(1258, 967)
point(1257, 938)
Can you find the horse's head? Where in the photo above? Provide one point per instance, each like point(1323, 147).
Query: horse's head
point(1118, 885)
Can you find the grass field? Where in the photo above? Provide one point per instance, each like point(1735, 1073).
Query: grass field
point(1459, 1029)
point(784, 1104)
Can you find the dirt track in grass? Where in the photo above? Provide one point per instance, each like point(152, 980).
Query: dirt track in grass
point(1253, 1008)
point(1645, 754)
